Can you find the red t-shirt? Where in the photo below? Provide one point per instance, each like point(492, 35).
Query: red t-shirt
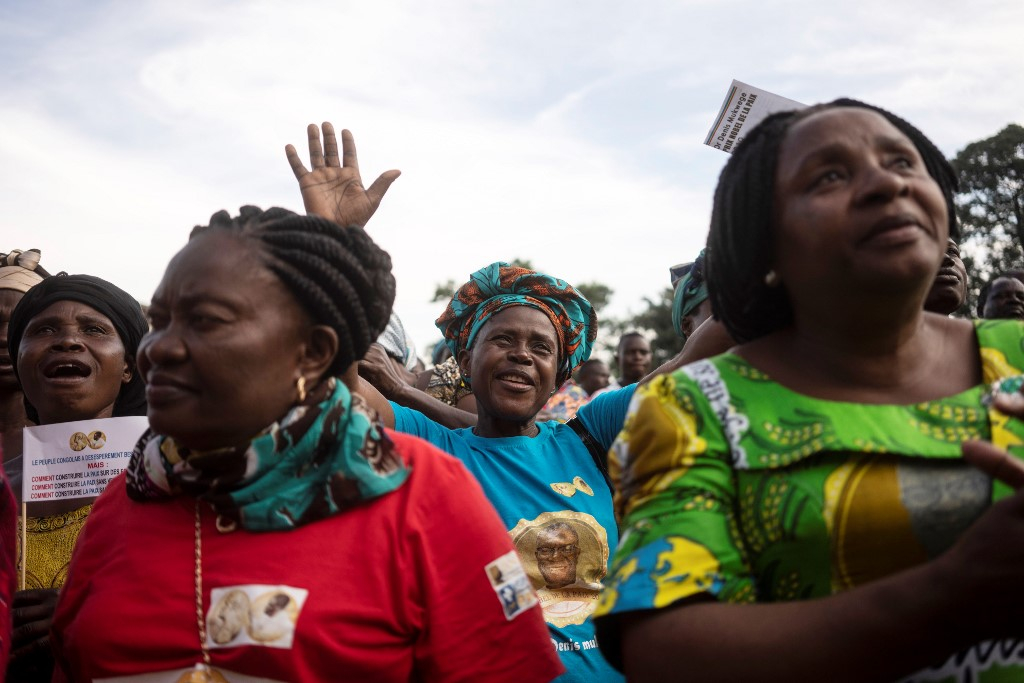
point(414, 585)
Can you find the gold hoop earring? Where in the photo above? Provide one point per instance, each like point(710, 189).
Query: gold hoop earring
point(771, 278)
point(300, 384)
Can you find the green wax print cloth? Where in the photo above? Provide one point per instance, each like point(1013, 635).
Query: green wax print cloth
point(731, 485)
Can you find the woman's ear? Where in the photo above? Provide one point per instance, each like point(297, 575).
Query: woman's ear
point(465, 360)
point(319, 352)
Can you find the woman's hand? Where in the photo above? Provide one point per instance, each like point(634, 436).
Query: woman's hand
point(31, 656)
point(377, 368)
point(987, 563)
point(333, 188)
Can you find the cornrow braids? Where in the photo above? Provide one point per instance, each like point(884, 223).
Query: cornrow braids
point(739, 246)
point(339, 275)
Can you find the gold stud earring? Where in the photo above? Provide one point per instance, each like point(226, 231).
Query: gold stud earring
point(771, 278)
point(300, 384)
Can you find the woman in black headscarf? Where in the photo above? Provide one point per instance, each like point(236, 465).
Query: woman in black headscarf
point(72, 340)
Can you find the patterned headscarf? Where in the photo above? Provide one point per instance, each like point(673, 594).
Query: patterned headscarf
point(691, 291)
point(499, 286)
point(20, 270)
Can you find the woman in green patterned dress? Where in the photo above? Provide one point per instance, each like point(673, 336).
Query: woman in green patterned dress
point(799, 508)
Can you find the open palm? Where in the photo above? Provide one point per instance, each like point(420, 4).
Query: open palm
point(333, 189)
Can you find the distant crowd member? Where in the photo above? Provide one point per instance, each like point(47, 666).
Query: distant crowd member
point(949, 292)
point(575, 393)
point(268, 527)
point(634, 359)
point(593, 376)
point(690, 303)
point(1002, 298)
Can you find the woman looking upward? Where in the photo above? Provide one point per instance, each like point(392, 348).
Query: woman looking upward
point(798, 508)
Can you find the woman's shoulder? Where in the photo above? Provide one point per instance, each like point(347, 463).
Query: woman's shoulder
point(424, 457)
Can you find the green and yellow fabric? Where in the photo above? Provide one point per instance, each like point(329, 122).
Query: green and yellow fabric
point(732, 485)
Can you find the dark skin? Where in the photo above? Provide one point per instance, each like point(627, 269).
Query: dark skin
point(634, 359)
point(864, 228)
point(1005, 299)
point(66, 332)
point(949, 290)
point(217, 314)
point(513, 364)
point(695, 318)
point(332, 188)
point(383, 383)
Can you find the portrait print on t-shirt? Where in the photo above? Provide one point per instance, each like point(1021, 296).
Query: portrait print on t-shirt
point(253, 615)
point(565, 554)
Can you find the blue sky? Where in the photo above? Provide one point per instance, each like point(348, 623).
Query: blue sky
point(568, 133)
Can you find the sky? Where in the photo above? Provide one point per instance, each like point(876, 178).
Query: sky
point(566, 133)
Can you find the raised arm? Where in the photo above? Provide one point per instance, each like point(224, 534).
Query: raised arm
point(376, 368)
point(333, 189)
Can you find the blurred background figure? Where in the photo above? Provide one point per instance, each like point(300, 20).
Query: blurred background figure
point(1002, 298)
point(949, 292)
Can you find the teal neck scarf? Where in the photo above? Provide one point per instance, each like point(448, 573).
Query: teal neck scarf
point(326, 455)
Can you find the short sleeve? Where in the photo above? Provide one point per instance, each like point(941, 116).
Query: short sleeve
point(603, 416)
point(676, 498)
point(483, 619)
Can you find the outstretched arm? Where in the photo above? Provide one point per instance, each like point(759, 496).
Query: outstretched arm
point(377, 370)
point(333, 189)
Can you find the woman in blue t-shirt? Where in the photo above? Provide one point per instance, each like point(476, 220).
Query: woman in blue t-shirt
point(517, 335)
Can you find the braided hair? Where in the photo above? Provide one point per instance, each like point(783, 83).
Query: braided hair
point(339, 275)
point(741, 235)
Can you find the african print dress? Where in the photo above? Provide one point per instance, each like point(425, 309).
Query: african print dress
point(808, 498)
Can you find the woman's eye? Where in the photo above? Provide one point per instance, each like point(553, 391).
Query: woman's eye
point(903, 162)
point(827, 178)
point(95, 330)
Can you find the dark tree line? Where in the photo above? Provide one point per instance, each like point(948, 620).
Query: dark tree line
point(990, 206)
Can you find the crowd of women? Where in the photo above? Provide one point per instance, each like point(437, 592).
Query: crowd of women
point(821, 486)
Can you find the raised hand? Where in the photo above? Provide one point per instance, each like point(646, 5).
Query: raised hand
point(333, 189)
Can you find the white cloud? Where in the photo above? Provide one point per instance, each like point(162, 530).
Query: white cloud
point(566, 133)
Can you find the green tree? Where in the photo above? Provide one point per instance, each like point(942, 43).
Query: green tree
point(990, 206)
point(656, 322)
point(597, 293)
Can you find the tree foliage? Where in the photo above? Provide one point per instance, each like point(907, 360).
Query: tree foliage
point(655, 321)
point(990, 206)
point(597, 293)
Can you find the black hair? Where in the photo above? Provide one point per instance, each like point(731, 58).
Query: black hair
point(987, 287)
point(741, 235)
point(627, 335)
point(339, 275)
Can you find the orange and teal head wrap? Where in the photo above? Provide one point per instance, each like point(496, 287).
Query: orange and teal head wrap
point(500, 286)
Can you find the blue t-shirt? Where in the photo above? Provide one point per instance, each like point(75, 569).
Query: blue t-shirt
point(558, 509)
